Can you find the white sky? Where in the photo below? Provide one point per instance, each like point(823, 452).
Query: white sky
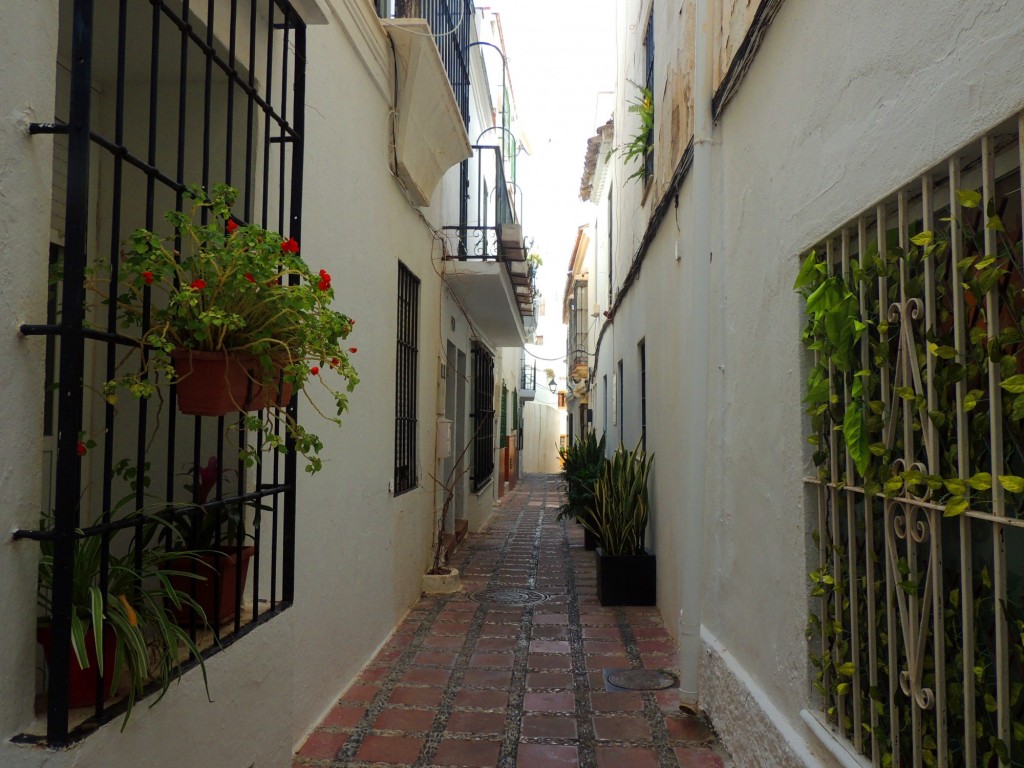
point(561, 53)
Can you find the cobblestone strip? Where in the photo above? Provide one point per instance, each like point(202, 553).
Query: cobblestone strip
point(652, 710)
point(517, 690)
point(580, 678)
point(444, 709)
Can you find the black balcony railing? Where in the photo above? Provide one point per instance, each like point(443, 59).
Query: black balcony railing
point(213, 108)
point(576, 339)
point(493, 206)
point(450, 21)
point(528, 376)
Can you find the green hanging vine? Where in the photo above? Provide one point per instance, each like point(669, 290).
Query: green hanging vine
point(862, 412)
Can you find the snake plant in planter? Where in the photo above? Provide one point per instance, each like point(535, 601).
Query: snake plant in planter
point(128, 628)
point(582, 463)
point(626, 572)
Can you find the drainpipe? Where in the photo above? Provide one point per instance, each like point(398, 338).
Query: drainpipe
point(697, 352)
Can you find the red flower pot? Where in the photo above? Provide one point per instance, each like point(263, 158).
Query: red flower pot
point(214, 568)
point(82, 682)
point(219, 383)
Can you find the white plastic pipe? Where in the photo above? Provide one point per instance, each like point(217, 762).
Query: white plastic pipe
point(697, 353)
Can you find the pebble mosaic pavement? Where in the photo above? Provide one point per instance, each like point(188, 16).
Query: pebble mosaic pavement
point(511, 671)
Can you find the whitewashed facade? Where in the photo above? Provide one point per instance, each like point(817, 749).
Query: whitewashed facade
point(360, 549)
point(813, 114)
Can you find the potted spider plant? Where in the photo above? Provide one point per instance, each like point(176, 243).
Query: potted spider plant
point(122, 627)
point(582, 464)
point(232, 315)
point(626, 572)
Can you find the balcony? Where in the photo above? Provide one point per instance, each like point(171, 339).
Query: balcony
point(489, 272)
point(528, 381)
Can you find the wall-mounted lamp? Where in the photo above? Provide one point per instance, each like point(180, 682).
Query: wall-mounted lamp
point(553, 386)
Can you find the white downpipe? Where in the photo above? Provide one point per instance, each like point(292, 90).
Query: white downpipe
point(697, 354)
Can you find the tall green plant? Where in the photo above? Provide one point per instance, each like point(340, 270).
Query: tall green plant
point(581, 466)
point(620, 511)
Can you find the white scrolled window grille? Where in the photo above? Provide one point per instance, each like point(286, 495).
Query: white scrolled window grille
point(916, 400)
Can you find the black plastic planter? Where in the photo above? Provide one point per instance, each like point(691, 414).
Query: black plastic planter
point(627, 579)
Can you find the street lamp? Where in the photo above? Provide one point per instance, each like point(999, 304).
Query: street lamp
point(553, 386)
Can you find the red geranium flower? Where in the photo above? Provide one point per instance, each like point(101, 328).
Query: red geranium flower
point(147, 277)
point(335, 362)
point(81, 448)
point(249, 277)
point(290, 245)
point(231, 226)
point(198, 284)
point(353, 350)
point(314, 370)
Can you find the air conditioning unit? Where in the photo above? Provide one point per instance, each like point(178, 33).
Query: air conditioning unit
point(595, 310)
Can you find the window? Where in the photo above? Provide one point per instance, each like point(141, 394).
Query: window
point(224, 118)
point(538, 340)
point(604, 398)
point(483, 416)
point(917, 497)
point(405, 379)
point(649, 85)
point(561, 399)
point(611, 251)
point(643, 394)
point(620, 404)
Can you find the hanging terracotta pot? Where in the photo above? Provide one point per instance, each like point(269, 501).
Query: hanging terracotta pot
point(219, 383)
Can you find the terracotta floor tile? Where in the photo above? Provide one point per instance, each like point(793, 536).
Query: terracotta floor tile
point(487, 678)
point(434, 659)
point(621, 729)
point(426, 676)
point(549, 702)
point(492, 660)
point(443, 641)
point(477, 722)
point(474, 754)
point(549, 661)
point(397, 750)
point(395, 719)
point(549, 646)
point(549, 680)
point(683, 727)
point(423, 697)
point(343, 717)
point(621, 757)
point(361, 693)
point(496, 644)
point(551, 618)
point(602, 633)
point(547, 756)
point(468, 697)
point(549, 727)
point(603, 647)
point(323, 745)
point(550, 632)
point(616, 702)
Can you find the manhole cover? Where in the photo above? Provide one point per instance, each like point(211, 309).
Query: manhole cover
point(641, 679)
point(508, 596)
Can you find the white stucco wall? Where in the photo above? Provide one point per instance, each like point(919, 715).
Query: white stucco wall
point(28, 78)
point(361, 551)
point(808, 142)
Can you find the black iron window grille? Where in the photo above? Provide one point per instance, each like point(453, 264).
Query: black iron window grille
point(149, 98)
point(620, 406)
point(504, 413)
point(577, 335)
point(649, 85)
point(611, 250)
point(483, 416)
point(450, 22)
point(528, 376)
point(405, 380)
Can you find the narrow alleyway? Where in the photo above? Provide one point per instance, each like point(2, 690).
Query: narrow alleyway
point(512, 670)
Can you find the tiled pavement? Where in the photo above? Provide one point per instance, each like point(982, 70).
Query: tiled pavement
point(469, 682)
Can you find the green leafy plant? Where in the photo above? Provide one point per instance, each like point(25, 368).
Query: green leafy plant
point(641, 143)
point(620, 507)
point(138, 604)
point(581, 466)
point(224, 287)
point(875, 348)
